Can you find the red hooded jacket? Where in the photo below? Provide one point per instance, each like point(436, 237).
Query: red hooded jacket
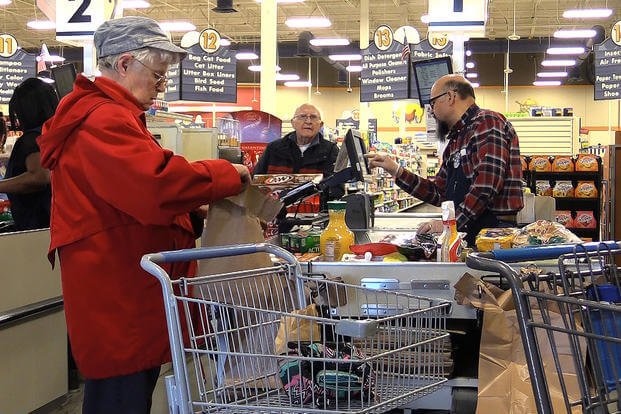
point(116, 195)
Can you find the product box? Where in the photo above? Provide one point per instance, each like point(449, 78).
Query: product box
point(301, 242)
point(274, 184)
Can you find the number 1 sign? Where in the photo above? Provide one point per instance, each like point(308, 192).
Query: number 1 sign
point(78, 19)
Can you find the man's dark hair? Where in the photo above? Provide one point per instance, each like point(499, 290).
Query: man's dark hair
point(33, 102)
point(463, 88)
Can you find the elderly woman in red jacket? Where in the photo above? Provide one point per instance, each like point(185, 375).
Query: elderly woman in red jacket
point(116, 195)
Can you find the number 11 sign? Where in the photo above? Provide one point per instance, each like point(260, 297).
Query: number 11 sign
point(78, 19)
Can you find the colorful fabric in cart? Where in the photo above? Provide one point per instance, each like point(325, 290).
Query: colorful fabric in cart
point(315, 381)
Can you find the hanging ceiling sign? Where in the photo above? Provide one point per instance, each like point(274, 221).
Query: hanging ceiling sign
point(173, 86)
point(209, 77)
point(78, 19)
point(15, 66)
point(607, 59)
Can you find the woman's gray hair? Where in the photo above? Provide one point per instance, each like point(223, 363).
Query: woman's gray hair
point(147, 55)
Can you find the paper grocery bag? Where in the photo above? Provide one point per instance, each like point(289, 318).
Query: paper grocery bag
point(504, 380)
point(297, 329)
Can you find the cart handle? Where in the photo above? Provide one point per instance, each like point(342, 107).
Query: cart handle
point(542, 253)
point(200, 253)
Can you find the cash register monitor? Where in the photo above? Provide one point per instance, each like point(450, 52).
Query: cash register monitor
point(426, 72)
point(64, 76)
point(356, 149)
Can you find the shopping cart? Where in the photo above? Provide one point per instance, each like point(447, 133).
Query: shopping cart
point(371, 350)
point(569, 323)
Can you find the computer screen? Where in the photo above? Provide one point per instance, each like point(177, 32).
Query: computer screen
point(356, 150)
point(426, 72)
point(64, 76)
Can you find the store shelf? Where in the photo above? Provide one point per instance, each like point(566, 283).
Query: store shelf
point(568, 176)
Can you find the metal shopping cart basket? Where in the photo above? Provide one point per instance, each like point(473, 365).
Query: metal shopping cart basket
point(358, 350)
point(578, 311)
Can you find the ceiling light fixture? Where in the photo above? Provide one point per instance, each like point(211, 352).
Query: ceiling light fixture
point(344, 58)
point(287, 77)
point(425, 18)
point(354, 68)
point(575, 34)
point(472, 75)
point(562, 74)
point(468, 53)
point(329, 41)
point(135, 4)
point(5, 2)
point(246, 56)
point(41, 24)
point(570, 50)
point(225, 42)
point(470, 65)
point(257, 68)
point(558, 62)
point(475, 84)
point(547, 83)
point(300, 22)
point(298, 84)
point(587, 13)
point(177, 26)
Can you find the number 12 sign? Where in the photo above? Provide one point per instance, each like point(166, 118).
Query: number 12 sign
point(78, 19)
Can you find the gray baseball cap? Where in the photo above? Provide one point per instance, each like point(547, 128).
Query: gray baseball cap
point(130, 33)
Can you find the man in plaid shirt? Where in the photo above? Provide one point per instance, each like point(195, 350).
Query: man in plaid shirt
point(480, 169)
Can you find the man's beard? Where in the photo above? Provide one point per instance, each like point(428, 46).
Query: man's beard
point(442, 130)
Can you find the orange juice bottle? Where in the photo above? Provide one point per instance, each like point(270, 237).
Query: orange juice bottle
point(336, 238)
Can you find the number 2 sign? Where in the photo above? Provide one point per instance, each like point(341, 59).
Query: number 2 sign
point(78, 19)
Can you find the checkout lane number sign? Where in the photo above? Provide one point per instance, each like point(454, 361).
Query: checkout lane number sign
point(209, 40)
point(80, 18)
point(8, 45)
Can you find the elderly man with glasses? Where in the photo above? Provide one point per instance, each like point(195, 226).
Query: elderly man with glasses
point(480, 171)
point(116, 195)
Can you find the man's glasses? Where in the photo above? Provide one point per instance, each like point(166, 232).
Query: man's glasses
point(432, 101)
point(311, 118)
point(159, 79)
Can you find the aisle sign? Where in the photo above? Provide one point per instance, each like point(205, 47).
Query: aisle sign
point(15, 66)
point(173, 86)
point(78, 19)
point(384, 75)
point(209, 77)
point(608, 69)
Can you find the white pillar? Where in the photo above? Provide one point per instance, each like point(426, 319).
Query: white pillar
point(458, 40)
point(364, 43)
point(268, 56)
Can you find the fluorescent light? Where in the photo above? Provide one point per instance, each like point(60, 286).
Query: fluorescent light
point(470, 65)
point(475, 84)
point(586, 13)
point(468, 53)
point(343, 58)
point(246, 56)
point(54, 58)
point(299, 22)
point(41, 24)
point(257, 68)
point(287, 77)
point(354, 68)
point(298, 84)
point(329, 41)
point(552, 74)
point(573, 50)
point(472, 75)
point(425, 18)
point(135, 4)
point(5, 2)
point(558, 62)
point(225, 42)
point(575, 34)
point(178, 26)
point(547, 83)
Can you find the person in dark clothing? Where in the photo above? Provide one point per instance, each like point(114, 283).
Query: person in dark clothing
point(303, 151)
point(3, 132)
point(26, 182)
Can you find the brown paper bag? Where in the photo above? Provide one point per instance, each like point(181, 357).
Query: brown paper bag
point(293, 329)
point(504, 380)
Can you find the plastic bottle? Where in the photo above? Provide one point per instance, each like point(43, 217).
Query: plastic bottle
point(336, 238)
point(450, 250)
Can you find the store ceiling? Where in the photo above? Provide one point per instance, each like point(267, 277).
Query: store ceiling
point(534, 19)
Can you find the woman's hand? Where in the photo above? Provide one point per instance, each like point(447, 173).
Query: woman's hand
point(244, 175)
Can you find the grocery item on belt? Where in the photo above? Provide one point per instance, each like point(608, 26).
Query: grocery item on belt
point(586, 189)
point(539, 163)
point(587, 162)
point(543, 232)
point(564, 217)
point(543, 188)
point(585, 220)
point(524, 162)
point(495, 238)
point(563, 163)
point(563, 189)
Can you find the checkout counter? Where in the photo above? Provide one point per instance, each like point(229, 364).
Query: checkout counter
point(33, 334)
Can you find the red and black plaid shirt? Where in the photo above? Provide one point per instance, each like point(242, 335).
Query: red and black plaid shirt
point(490, 154)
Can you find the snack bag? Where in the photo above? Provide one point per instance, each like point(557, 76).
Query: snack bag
point(543, 188)
point(562, 163)
point(563, 189)
point(495, 238)
point(543, 232)
point(564, 217)
point(524, 162)
point(586, 189)
point(587, 162)
point(539, 163)
point(585, 220)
